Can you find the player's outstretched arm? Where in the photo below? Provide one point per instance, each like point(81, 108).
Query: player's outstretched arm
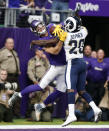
point(62, 36)
point(45, 42)
point(54, 50)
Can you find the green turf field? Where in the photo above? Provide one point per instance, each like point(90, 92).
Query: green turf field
point(55, 122)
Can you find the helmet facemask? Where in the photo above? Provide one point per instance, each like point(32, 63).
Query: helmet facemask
point(41, 29)
point(38, 27)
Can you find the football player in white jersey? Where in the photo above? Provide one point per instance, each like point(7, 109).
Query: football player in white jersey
point(73, 40)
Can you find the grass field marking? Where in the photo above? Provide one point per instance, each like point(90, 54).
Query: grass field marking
point(50, 126)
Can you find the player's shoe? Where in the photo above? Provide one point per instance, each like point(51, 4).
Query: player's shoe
point(69, 120)
point(39, 107)
point(13, 99)
point(97, 115)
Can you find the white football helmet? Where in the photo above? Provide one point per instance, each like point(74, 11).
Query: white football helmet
point(72, 24)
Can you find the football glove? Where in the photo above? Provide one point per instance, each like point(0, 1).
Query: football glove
point(57, 30)
point(63, 36)
point(60, 33)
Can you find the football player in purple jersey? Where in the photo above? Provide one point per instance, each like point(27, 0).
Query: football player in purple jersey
point(56, 70)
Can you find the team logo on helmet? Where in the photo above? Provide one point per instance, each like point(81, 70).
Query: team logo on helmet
point(72, 24)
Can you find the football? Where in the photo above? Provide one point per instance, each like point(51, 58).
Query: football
point(52, 29)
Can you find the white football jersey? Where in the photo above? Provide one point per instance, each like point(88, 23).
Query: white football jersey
point(74, 44)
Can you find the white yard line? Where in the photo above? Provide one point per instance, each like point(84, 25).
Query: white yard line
point(50, 126)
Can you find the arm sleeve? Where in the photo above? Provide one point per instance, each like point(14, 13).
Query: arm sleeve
point(49, 42)
point(54, 50)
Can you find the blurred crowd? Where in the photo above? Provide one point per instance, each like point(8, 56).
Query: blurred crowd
point(97, 80)
point(97, 84)
point(25, 8)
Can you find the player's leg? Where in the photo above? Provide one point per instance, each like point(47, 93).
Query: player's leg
point(52, 97)
point(47, 78)
point(55, 72)
point(82, 92)
point(60, 87)
point(81, 84)
point(71, 82)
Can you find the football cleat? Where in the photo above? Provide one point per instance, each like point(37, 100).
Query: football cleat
point(39, 107)
point(69, 120)
point(97, 115)
point(13, 99)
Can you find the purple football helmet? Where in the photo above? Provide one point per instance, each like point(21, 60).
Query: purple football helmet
point(38, 27)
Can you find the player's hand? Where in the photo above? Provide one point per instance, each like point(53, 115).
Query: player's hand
point(45, 49)
point(60, 33)
point(63, 36)
point(57, 30)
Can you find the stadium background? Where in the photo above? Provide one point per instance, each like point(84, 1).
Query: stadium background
point(96, 21)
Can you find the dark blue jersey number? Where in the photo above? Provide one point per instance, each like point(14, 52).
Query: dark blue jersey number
point(76, 45)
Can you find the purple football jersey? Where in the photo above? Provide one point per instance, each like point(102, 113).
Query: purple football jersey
point(106, 60)
point(87, 60)
point(97, 71)
point(59, 59)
